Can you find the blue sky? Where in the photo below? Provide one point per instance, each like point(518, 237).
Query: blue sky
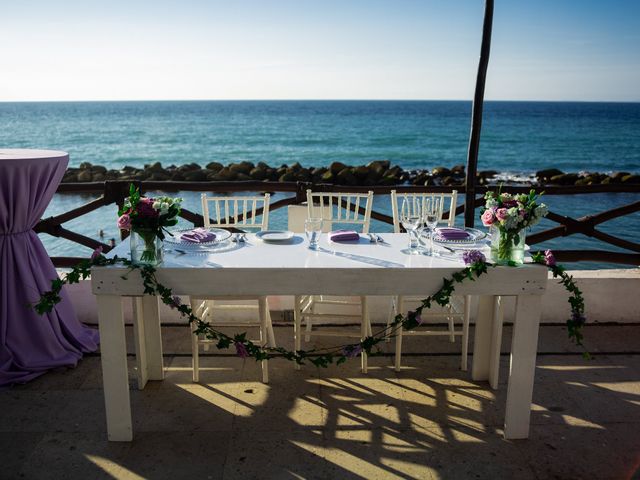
point(310, 49)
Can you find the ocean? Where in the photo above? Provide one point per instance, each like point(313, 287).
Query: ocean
point(518, 138)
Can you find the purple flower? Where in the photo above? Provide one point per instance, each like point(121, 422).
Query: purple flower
point(175, 302)
point(352, 351)
point(549, 259)
point(96, 253)
point(418, 318)
point(578, 318)
point(241, 350)
point(145, 208)
point(473, 256)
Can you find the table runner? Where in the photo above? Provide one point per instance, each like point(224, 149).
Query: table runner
point(31, 344)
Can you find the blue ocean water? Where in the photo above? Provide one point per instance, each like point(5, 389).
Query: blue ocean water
point(517, 138)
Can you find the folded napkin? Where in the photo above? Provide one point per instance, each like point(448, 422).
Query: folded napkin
point(344, 236)
point(198, 235)
point(451, 233)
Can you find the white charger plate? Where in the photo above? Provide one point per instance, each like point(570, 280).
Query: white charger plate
point(274, 235)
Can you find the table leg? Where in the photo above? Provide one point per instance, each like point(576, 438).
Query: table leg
point(152, 337)
point(115, 380)
point(496, 342)
point(524, 348)
point(139, 340)
point(481, 365)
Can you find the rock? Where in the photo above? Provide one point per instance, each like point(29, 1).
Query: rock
point(361, 172)
point(379, 166)
point(564, 179)
point(616, 177)
point(631, 179)
point(215, 166)
point(242, 167)
point(98, 169)
point(448, 180)
point(179, 176)
point(488, 173)
point(346, 177)
point(327, 177)
point(458, 170)
point(85, 176)
point(70, 177)
point(545, 175)
point(288, 177)
point(225, 175)
point(440, 172)
point(85, 165)
point(304, 175)
point(263, 166)
point(195, 176)
point(258, 173)
point(243, 177)
point(388, 180)
point(337, 167)
point(98, 177)
point(156, 167)
point(296, 167)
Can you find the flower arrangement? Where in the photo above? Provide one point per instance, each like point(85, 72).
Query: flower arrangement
point(508, 215)
point(147, 218)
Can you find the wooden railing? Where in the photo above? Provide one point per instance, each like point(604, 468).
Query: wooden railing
point(114, 192)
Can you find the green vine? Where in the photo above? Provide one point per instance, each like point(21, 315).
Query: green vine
point(323, 357)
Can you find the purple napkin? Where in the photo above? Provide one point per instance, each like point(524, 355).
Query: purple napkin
point(344, 236)
point(198, 235)
point(451, 233)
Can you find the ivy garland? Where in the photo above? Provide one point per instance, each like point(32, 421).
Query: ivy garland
point(476, 266)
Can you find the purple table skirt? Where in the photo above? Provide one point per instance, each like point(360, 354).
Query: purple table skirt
point(31, 344)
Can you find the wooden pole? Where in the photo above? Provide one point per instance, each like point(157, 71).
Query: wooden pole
point(476, 116)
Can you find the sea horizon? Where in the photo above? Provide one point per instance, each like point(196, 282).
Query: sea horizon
point(318, 100)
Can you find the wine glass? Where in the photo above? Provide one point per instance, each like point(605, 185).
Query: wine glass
point(431, 214)
point(411, 219)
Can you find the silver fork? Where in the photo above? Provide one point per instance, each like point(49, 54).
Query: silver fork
point(372, 238)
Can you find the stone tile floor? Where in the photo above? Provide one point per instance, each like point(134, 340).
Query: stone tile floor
point(427, 421)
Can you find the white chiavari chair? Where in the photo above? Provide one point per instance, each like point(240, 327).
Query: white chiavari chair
point(459, 308)
point(335, 209)
point(244, 213)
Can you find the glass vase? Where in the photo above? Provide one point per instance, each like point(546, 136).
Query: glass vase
point(146, 247)
point(507, 248)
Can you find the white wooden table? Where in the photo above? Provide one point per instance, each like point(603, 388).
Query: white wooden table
point(255, 268)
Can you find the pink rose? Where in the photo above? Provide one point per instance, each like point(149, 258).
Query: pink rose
point(124, 222)
point(549, 258)
point(488, 218)
point(501, 214)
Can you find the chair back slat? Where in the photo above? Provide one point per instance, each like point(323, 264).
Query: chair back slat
point(340, 208)
point(444, 201)
point(237, 212)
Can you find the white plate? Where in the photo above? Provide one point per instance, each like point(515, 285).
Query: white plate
point(274, 235)
point(221, 236)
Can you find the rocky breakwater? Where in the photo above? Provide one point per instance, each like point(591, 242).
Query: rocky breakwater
point(378, 172)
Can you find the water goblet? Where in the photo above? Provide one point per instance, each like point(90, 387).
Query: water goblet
point(411, 220)
point(313, 229)
point(431, 217)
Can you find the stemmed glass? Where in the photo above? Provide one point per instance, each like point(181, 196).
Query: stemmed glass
point(411, 220)
point(431, 215)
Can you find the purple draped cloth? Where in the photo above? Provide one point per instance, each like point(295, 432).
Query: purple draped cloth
point(30, 343)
